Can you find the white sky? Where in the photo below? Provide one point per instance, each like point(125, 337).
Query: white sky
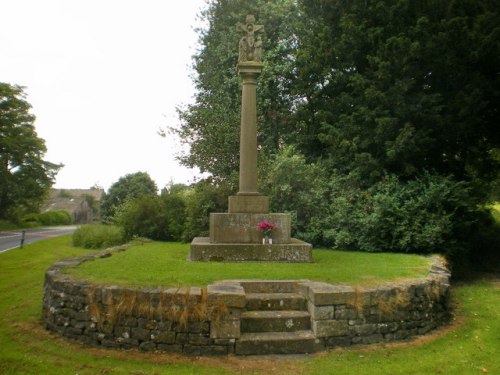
point(103, 76)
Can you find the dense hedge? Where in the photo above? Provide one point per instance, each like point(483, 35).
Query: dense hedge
point(58, 217)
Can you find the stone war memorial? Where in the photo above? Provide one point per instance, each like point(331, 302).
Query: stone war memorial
point(237, 236)
point(247, 316)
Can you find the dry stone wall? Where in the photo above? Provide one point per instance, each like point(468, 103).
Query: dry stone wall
point(206, 321)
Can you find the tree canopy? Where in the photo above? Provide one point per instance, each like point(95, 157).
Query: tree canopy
point(400, 87)
point(367, 88)
point(25, 177)
point(128, 187)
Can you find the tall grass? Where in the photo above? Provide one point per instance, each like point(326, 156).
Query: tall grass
point(97, 236)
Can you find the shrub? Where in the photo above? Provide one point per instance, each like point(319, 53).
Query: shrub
point(7, 225)
point(59, 217)
point(143, 217)
point(98, 236)
point(299, 188)
point(174, 209)
point(30, 221)
point(201, 200)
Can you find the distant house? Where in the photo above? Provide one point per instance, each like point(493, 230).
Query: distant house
point(81, 204)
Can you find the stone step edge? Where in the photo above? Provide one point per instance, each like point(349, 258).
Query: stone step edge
point(277, 336)
point(275, 314)
point(279, 295)
point(267, 286)
point(283, 343)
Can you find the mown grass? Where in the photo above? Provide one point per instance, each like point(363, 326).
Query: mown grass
point(469, 346)
point(165, 264)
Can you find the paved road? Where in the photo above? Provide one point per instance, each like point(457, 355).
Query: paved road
point(12, 239)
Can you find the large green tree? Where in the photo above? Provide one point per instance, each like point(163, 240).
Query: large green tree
point(399, 87)
point(25, 177)
point(128, 187)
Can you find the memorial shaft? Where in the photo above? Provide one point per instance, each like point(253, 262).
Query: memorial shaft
point(248, 135)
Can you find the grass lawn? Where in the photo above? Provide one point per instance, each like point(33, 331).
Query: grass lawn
point(164, 264)
point(469, 346)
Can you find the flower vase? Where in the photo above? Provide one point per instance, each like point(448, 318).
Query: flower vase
point(267, 241)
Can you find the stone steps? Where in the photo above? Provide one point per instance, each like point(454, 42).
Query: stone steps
point(262, 343)
point(275, 301)
point(275, 321)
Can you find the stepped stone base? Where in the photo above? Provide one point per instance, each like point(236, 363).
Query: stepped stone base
point(202, 250)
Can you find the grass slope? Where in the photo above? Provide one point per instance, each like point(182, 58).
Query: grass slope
point(164, 264)
point(469, 347)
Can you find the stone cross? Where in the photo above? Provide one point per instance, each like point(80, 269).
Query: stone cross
point(249, 68)
point(250, 48)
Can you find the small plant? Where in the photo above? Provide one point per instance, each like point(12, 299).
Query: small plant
point(266, 227)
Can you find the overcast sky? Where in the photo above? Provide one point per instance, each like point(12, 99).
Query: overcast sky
point(103, 76)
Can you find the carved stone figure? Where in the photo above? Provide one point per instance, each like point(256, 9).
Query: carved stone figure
point(250, 46)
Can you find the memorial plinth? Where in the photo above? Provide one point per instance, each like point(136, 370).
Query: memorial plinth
point(235, 236)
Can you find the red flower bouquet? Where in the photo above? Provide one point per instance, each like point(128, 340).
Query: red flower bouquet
point(266, 227)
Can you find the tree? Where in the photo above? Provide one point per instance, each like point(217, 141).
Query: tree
point(25, 177)
point(400, 87)
point(126, 188)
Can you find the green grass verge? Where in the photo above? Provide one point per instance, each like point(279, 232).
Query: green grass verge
point(164, 264)
point(25, 348)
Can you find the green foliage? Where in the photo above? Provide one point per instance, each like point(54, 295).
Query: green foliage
point(400, 87)
point(25, 177)
point(142, 217)
point(59, 217)
point(97, 236)
point(7, 225)
point(128, 187)
point(200, 201)
point(423, 215)
point(30, 221)
point(173, 201)
point(299, 188)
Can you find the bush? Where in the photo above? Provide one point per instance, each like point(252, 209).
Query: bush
point(201, 200)
point(31, 221)
point(59, 217)
point(143, 217)
point(428, 214)
point(299, 188)
point(174, 209)
point(97, 236)
point(7, 225)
